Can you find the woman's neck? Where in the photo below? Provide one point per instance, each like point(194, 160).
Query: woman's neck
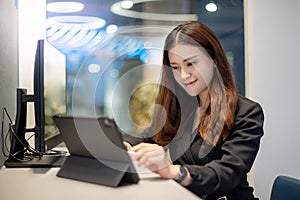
point(203, 100)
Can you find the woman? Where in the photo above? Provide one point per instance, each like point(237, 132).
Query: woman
point(211, 133)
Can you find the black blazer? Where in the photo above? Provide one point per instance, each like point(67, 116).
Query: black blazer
point(221, 170)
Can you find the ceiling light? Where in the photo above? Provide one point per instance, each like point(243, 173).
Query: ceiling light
point(211, 7)
point(118, 8)
point(111, 28)
point(65, 7)
point(126, 4)
point(81, 22)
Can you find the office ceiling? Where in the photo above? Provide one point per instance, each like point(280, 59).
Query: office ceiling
point(228, 17)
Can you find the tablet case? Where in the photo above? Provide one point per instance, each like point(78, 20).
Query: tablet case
point(97, 152)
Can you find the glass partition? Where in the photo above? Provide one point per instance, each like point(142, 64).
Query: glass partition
point(108, 53)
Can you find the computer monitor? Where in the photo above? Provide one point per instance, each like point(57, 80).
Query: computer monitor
point(39, 109)
point(20, 149)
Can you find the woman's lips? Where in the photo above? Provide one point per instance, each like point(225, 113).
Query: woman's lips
point(190, 83)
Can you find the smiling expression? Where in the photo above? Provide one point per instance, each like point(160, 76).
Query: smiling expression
point(192, 68)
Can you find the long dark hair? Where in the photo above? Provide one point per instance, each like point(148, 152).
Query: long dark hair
point(218, 118)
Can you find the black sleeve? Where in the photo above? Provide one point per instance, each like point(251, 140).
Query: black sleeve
point(238, 154)
point(146, 136)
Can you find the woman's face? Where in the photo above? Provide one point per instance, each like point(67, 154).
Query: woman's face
point(192, 68)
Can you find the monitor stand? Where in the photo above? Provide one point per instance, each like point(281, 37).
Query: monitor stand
point(46, 161)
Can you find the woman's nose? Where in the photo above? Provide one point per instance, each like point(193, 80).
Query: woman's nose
point(185, 73)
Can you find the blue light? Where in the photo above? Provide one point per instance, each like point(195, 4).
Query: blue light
point(81, 34)
point(132, 48)
point(74, 33)
point(16, 3)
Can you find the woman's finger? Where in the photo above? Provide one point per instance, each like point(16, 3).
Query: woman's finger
point(142, 146)
point(127, 145)
point(154, 157)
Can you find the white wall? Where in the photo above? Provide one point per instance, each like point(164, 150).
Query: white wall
point(273, 70)
point(8, 58)
point(31, 18)
point(20, 27)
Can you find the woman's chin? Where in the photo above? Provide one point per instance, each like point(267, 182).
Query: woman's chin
point(192, 93)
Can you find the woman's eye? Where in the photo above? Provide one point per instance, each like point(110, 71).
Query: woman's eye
point(191, 64)
point(175, 67)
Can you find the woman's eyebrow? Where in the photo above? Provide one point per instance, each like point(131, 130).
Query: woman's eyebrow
point(186, 59)
point(189, 58)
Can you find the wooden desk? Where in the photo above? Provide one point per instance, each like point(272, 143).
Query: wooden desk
point(43, 184)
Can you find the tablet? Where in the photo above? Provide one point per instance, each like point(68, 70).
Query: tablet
point(97, 152)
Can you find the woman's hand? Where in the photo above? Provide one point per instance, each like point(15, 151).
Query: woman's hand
point(153, 157)
point(127, 145)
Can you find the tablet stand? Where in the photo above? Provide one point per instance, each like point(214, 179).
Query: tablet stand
point(93, 171)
